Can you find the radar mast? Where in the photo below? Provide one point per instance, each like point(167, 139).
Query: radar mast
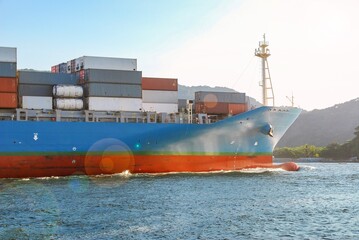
point(266, 83)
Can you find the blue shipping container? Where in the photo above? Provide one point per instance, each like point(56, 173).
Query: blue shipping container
point(7, 69)
point(46, 78)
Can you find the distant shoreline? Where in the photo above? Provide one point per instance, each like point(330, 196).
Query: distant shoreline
point(315, 160)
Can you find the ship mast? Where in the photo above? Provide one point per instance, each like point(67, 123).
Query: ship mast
point(266, 83)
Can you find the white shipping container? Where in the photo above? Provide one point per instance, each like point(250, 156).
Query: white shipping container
point(89, 62)
point(154, 96)
point(68, 104)
point(114, 104)
point(35, 102)
point(7, 54)
point(67, 91)
point(160, 107)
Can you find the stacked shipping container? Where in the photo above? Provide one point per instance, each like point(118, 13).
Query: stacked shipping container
point(160, 95)
point(36, 88)
point(226, 103)
point(111, 90)
point(8, 83)
point(60, 68)
point(109, 84)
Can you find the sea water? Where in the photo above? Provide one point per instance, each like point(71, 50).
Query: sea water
point(321, 201)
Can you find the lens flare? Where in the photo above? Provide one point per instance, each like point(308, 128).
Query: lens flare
point(108, 156)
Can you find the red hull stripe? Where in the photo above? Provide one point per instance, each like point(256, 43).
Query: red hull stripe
point(65, 165)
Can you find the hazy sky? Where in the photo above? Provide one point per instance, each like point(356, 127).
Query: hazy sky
point(201, 42)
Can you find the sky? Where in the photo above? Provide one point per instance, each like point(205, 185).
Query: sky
point(313, 43)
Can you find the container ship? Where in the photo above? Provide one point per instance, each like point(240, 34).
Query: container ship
point(99, 115)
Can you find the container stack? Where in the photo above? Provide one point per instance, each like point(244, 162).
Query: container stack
point(109, 84)
point(36, 88)
point(60, 68)
point(160, 95)
point(111, 90)
point(8, 82)
point(225, 103)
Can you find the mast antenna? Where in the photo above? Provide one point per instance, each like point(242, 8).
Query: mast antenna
point(291, 99)
point(267, 89)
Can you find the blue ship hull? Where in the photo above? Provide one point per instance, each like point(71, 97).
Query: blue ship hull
point(38, 149)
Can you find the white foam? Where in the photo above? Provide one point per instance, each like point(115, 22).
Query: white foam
point(309, 168)
point(39, 178)
point(125, 173)
point(246, 170)
point(48, 178)
point(261, 170)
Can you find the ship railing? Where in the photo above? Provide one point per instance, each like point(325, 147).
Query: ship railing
point(104, 116)
point(7, 114)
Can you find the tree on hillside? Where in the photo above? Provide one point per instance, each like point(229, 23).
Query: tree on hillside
point(355, 143)
point(334, 151)
point(345, 151)
point(305, 151)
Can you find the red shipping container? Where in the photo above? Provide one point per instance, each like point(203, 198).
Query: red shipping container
point(163, 84)
point(8, 85)
point(82, 74)
point(237, 108)
point(8, 100)
point(53, 69)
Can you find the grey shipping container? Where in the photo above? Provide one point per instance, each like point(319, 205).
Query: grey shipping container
point(35, 90)
point(112, 90)
point(182, 104)
point(7, 69)
point(113, 76)
point(223, 97)
point(63, 68)
point(46, 78)
point(8, 54)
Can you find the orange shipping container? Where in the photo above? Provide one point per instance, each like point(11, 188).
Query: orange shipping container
point(236, 108)
point(220, 108)
point(8, 85)
point(163, 84)
point(211, 107)
point(8, 100)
